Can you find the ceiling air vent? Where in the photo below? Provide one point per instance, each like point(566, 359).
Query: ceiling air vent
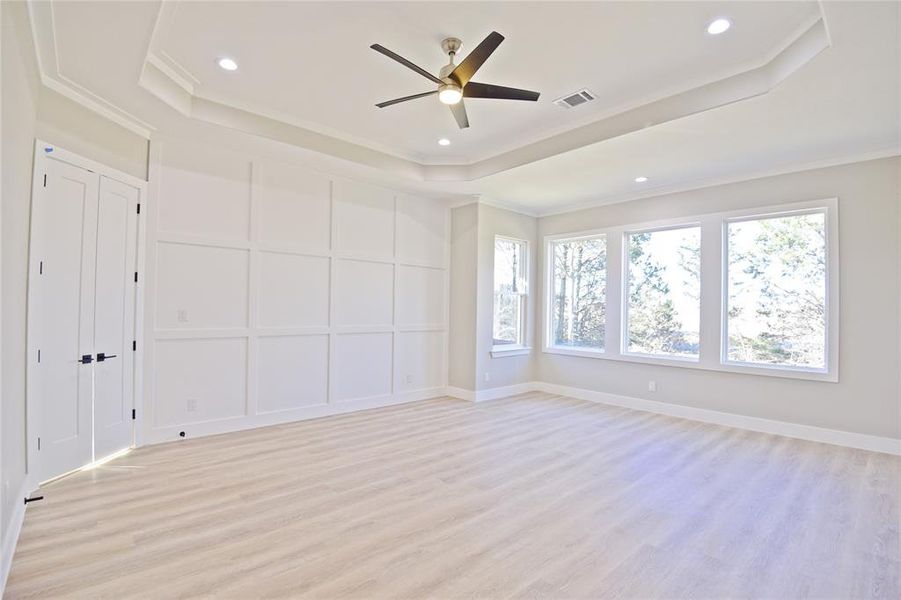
point(573, 100)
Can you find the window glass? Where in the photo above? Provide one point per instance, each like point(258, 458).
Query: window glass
point(579, 302)
point(509, 291)
point(664, 292)
point(776, 305)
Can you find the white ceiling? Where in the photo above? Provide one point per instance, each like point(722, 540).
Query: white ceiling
point(309, 64)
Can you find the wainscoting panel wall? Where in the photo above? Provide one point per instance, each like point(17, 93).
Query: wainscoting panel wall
point(277, 293)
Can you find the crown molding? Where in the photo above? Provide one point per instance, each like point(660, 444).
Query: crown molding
point(43, 34)
point(500, 205)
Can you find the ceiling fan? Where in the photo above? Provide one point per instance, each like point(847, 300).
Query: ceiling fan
point(455, 81)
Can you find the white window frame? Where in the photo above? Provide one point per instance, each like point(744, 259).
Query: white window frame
point(624, 298)
point(714, 288)
point(522, 347)
point(829, 209)
point(549, 346)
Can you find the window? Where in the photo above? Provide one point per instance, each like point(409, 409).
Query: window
point(776, 310)
point(769, 278)
point(664, 291)
point(578, 281)
point(510, 292)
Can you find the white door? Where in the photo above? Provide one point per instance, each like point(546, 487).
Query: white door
point(61, 314)
point(81, 316)
point(114, 316)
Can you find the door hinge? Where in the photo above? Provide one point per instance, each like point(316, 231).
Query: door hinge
point(133, 414)
point(45, 180)
point(136, 276)
point(139, 208)
point(134, 345)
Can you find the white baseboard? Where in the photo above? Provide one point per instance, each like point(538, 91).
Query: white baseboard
point(505, 391)
point(794, 430)
point(12, 535)
point(491, 393)
point(461, 393)
point(159, 435)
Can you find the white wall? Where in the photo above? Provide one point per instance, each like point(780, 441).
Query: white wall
point(463, 290)
point(276, 293)
point(77, 129)
point(866, 399)
point(503, 371)
point(19, 93)
point(472, 368)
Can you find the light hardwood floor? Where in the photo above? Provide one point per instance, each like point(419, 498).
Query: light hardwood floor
point(531, 496)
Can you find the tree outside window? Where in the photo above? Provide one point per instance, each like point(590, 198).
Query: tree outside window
point(776, 312)
point(579, 301)
point(664, 290)
point(510, 269)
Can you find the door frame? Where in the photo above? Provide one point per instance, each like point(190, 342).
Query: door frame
point(43, 152)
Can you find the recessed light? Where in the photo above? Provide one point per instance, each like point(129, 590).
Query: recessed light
point(227, 64)
point(444, 142)
point(641, 179)
point(718, 26)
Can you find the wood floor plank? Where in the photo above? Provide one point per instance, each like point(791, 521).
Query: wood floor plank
point(533, 496)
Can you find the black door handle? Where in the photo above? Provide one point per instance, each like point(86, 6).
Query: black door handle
point(86, 359)
point(102, 357)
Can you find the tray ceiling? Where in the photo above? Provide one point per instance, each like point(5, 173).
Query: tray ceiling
point(674, 103)
point(310, 63)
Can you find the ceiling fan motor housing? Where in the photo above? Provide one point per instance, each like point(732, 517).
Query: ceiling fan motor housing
point(451, 45)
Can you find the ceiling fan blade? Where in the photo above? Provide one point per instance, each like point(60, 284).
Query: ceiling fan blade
point(405, 62)
point(466, 69)
point(405, 98)
point(459, 111)
point(474, 89)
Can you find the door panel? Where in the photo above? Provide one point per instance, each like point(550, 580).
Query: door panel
point(114, 315)
point(65, 238)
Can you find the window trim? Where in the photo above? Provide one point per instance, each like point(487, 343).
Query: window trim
point(624, 288)
point(713, 228)
point(549, 287)
point(829, 210)
point(522, 347)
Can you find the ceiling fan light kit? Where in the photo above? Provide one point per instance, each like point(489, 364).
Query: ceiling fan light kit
point(450, 93)
point(455, 81)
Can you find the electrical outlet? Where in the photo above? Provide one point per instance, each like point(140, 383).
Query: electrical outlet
point(409, 378)
point(652, 386)
point(487, 377)
point(192, 404)
point(182, 315)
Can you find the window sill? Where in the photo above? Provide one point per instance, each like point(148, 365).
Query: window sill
point(504, 351)
point(572, 351)
point(652, 358)
point(705, 365)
